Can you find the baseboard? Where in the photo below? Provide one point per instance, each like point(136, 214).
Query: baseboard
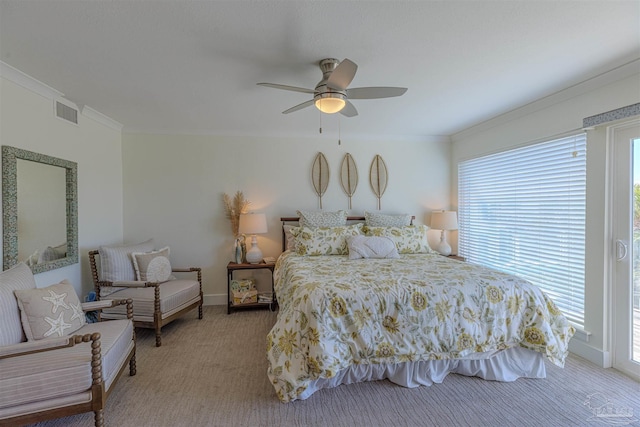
point(215, 299)
point(592, 354)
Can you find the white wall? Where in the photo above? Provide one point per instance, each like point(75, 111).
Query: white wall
point(544, 120)
point(173, 188)
point(27, 121)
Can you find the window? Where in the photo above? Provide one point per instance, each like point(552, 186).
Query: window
point(522, 211)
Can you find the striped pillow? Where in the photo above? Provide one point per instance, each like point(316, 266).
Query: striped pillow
point(115, 261)
point(15, 278)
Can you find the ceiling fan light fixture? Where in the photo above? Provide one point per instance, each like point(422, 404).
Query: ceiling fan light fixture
point(330, 103)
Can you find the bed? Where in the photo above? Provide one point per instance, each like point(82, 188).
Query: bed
point(411, 318)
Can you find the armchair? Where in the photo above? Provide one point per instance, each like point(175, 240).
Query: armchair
point(57, 374)
point(144, 275)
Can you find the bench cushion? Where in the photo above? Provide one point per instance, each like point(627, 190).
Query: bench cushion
point(17, 277)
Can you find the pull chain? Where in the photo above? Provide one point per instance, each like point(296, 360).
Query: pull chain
point(339, 141)
point(320, 121)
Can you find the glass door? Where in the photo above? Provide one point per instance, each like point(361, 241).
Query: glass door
point(626, 247)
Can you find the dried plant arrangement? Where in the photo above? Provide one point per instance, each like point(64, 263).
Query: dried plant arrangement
point(233, 207)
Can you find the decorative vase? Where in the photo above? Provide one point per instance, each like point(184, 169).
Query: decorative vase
point(238, 254)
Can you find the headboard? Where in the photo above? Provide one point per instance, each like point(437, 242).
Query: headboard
point(295, 219)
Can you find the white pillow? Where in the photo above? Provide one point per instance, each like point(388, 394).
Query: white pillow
point(371, 247)
point(152, 266)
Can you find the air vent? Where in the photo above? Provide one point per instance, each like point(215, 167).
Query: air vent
point(67, 113)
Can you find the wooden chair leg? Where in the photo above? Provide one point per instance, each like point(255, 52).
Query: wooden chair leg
point(158, 338)
point(132, 365)
point(99, 418)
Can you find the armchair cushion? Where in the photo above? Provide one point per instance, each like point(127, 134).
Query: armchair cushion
point(115, 261)
point(53, 311)
point(152, 266)
point(17, 277)
point(174, 295)
point(65, 372)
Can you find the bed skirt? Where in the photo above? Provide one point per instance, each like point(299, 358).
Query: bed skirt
point(504, 365)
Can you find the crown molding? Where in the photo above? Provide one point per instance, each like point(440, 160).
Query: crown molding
point(18, 77)
point(36, 86)
point(628, 69)
point(101, 118)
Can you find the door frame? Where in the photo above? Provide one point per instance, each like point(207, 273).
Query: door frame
point(617, 294)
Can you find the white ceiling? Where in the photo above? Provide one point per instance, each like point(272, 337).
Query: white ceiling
point(192, 66)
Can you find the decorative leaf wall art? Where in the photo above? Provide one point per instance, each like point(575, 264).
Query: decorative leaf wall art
point(378, 177)
point(320, 175)
point(349, 176)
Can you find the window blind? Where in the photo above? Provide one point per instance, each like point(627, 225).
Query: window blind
point(522, 211)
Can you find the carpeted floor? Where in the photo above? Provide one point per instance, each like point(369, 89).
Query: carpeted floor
point(212, 372)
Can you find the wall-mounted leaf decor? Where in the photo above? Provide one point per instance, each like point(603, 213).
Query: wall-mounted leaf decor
point(320, 175)
point(378, 177)
point(349, 176)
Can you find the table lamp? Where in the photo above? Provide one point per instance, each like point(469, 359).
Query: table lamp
point(444, 220)
point(253, 223)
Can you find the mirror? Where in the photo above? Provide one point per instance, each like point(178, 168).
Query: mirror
point(39, 210)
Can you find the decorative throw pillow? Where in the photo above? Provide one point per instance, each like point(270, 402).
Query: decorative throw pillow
point(371, 247)
point(313, 219)
point(152, 266)
point(116, 264)
point(382, 220)
point(54, 311)
point(324, 240)
point(411, 239)
point(17, 277)
point(290, 240)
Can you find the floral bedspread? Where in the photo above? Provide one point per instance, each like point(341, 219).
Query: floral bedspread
point(335, 313)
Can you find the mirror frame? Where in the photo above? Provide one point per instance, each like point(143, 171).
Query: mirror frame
point(10, 155)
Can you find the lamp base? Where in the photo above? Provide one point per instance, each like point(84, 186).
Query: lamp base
point(254, 255)
point(443, 247)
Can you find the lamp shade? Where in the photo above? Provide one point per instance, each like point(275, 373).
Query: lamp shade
point(253, 223)
point(444, 220)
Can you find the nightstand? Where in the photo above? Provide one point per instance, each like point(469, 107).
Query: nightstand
point(458, 257)
point(231, 267)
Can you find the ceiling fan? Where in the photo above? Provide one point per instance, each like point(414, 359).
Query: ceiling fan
point(331, 94)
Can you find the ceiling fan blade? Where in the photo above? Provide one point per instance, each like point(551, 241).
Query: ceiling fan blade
point(375, 92)
point(342, 75)
point(299, 107)
point(349, 110)
point(285, 87)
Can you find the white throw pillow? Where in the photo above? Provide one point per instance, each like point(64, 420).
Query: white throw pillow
point(371, 247)
point(152, 266)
